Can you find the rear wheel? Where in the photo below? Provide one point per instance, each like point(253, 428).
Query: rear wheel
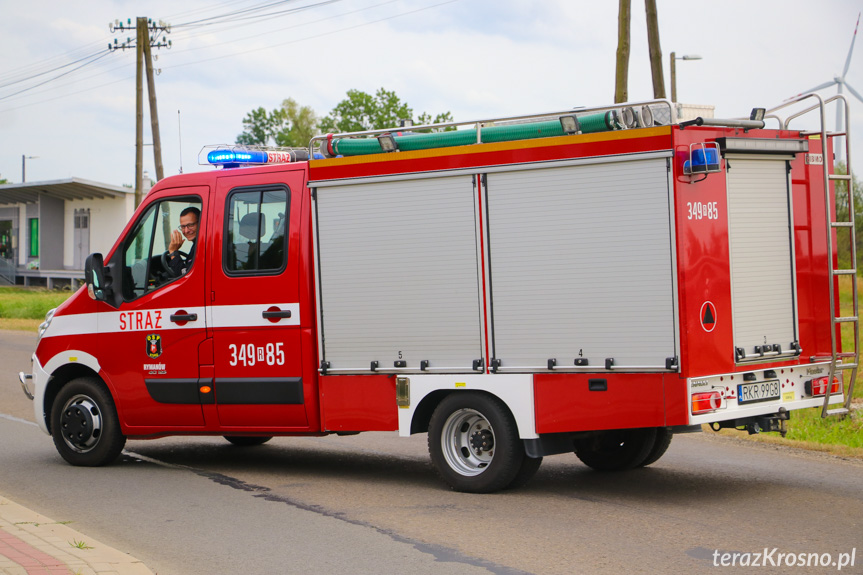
point(617, 449)
point(474, 443)
point(660, 446)
point(84, 423)
point(242, 441)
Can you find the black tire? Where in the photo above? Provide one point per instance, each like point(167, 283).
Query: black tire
point(617, 449)
point(473, 442)
point(84, 423)
point(529, 467)
point(660, 446)
point(241, 441)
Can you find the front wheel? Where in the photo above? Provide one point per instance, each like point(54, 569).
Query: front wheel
point(84, 423)
point(473, 442)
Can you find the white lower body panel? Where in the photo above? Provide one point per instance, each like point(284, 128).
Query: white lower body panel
point(515, 390)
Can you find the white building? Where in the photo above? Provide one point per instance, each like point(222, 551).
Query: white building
point(47, 229)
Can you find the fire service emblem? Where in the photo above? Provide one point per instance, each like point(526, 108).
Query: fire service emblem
point(154, 345)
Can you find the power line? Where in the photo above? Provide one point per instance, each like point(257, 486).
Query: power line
point(70, 82)
point(64, 96)
point(41, 65)
point(292, 26)
point(91, 61)
point(321, 35)
point(190, 33)
point(36, 75)
point(221, 17)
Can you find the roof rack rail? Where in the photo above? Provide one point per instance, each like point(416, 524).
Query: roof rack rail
point(573, 121)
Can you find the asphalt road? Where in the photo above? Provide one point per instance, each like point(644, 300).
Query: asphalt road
point(372, 504)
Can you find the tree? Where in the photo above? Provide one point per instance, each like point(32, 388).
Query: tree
point(289, 125)
point(425, 118)
point(621, 77)
point(257, 128)
point(4, 181)
point(300, 124)
point(360, 112)
point(655, 49)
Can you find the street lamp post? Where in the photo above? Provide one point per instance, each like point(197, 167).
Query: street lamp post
point(674, 72)
point(24, 159)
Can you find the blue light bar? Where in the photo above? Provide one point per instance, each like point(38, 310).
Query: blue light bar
point(227, 156)
point(235, 157)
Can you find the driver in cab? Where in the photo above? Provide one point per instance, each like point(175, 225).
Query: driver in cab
point(180, 262)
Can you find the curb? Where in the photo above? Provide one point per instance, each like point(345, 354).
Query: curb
point(32, 544)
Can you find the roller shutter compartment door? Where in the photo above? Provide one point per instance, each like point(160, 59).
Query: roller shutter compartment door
point(581, 265)
point(399, 277)
point(762, 267)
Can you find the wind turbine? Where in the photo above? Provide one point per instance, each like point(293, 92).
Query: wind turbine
point(839, 80)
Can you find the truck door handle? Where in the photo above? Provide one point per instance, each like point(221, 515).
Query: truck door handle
point(276, 314)
point(175, 317)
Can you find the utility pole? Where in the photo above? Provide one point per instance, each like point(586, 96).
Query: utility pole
point(655, 49)
point(154, 114)
point(621, 78)
point(143, 42)
point(139, 112)
point(24, 159)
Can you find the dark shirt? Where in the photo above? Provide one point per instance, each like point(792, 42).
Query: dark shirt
point(180, 266)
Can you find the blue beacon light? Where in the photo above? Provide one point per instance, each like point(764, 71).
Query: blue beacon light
point(703, 159)
point(234, 158)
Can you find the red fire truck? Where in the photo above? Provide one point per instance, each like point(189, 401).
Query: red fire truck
point(591, 281)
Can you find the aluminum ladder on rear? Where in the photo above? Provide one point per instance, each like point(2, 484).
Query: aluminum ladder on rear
point(846, 360)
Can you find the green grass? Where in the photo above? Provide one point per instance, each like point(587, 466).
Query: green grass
point(25, 308)
point(808, 425)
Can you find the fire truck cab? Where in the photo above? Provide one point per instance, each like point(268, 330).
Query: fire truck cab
point(588, 282)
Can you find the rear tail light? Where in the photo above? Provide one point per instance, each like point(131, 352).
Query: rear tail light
point(706, 401)
point(818, 386)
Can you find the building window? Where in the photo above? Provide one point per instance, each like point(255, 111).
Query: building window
point(34, 237)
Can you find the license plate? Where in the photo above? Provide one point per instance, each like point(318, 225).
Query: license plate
point(754, 392)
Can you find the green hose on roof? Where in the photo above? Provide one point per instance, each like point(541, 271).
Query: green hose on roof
point(591, 123)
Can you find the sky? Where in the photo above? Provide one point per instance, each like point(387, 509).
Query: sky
point(477, 59)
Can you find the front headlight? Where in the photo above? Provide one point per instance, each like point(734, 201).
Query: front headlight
point(43, 327)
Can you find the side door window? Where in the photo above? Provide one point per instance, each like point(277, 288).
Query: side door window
point(146, 255)
point(256, 232)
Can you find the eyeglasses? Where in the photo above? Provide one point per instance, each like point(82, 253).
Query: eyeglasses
point(182, 227)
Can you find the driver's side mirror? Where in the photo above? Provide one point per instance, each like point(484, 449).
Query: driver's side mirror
point(94, 276)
